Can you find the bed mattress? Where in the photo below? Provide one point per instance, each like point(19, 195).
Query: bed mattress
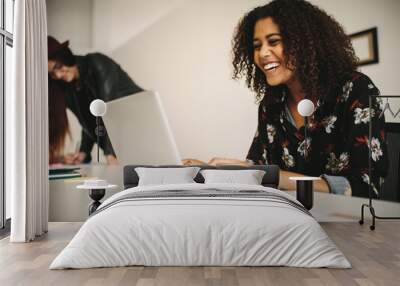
point(201, 225)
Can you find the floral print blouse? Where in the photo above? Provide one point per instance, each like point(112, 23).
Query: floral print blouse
point(337, 137)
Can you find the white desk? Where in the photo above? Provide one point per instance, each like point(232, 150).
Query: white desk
point(70, 204)
point(329, 207)
point(67, 203)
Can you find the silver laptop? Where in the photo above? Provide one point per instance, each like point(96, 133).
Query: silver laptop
point(139, 131)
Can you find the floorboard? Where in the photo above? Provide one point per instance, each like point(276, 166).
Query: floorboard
point(374, 255)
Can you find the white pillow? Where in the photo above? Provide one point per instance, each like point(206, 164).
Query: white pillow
point(248, 177)
point(163, 176)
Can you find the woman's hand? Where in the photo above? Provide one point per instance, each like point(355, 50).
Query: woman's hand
point(285, 184)
point(192, 162)
point(215, 161)
point(112, 160)
point(74, 159)
point(224, 161)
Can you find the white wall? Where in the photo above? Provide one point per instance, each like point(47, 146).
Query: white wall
point(359, 15)
point(185, 55)
point(182, 49)
point(71, 20)
point(117, 22)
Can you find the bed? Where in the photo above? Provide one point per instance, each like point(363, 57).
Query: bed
point(201, 224)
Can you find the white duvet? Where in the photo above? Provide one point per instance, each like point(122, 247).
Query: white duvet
point(200, 231)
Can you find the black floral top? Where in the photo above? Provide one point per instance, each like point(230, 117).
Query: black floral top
point(337, 137)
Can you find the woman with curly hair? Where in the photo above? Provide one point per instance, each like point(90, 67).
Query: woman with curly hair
point(290, 50)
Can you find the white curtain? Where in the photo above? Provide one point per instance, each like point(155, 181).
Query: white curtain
point(27, 124)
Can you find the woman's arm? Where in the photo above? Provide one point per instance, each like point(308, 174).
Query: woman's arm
point(285, 184)
point(192, 162)
point(112, 81)
point(224, 161)
point(356, 122)
point(215, 161)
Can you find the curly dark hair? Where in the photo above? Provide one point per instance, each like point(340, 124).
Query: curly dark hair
point(315, 43)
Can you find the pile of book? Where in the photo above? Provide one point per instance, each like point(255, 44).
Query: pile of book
point(64, 172)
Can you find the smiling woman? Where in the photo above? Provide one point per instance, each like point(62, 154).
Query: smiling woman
point(289, 50)
point(268, 53)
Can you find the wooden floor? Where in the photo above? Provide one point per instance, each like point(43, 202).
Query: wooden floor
point(374, 255)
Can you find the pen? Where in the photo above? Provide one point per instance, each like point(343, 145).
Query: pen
point(77, 146)
point(76, 154)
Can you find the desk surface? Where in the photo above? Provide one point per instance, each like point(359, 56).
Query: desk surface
point(67, 203)
point(70, 204)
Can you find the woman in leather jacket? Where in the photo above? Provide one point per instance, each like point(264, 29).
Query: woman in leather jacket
point(83, 79)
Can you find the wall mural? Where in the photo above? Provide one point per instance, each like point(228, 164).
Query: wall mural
point(332, 137)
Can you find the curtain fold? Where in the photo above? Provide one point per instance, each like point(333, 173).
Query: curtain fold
point(27, 121)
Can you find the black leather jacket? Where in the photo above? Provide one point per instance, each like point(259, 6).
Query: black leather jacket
point(99, 77)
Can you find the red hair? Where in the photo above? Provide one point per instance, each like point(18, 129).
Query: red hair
point(58, 121)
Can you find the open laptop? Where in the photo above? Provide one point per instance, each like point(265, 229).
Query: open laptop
point(139, 131)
